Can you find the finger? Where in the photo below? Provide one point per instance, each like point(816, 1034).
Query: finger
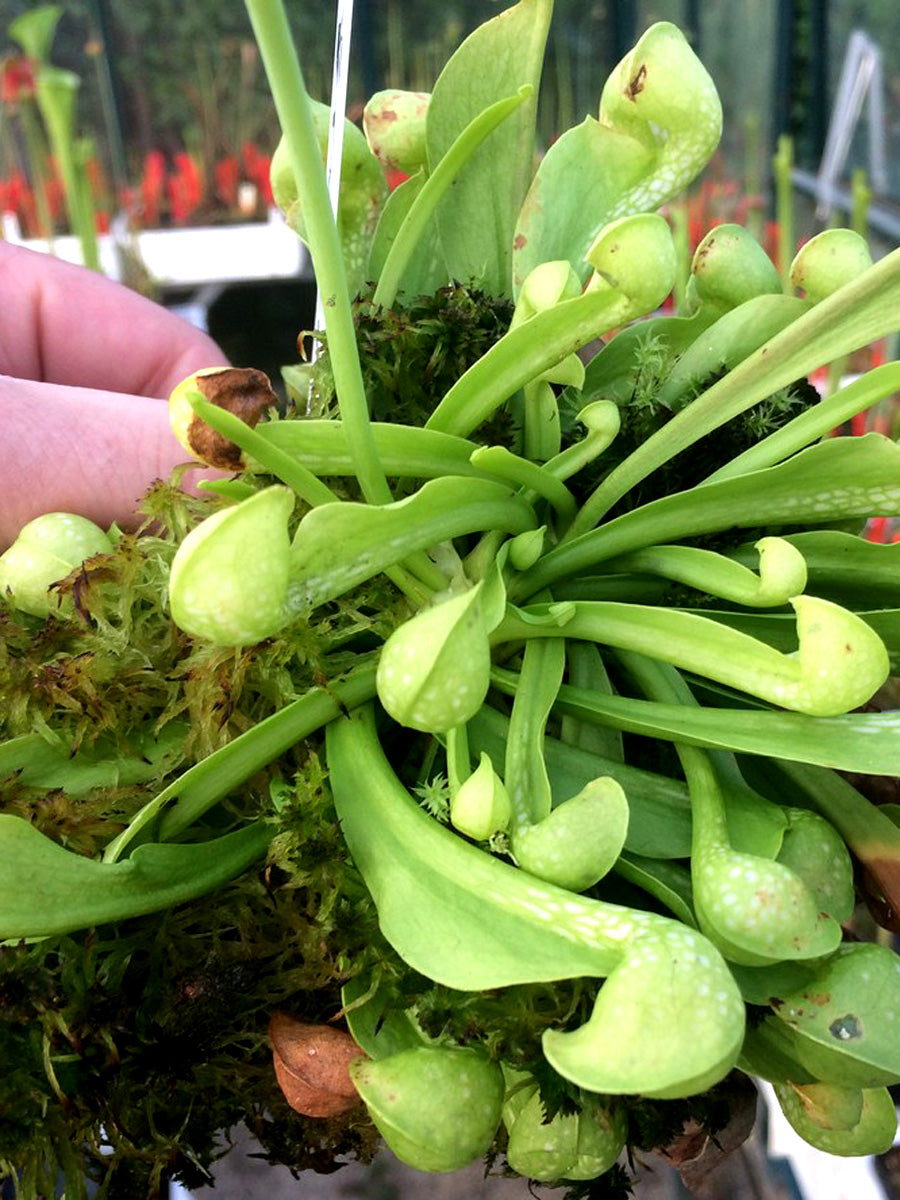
point(75, 450)
point(64, 324)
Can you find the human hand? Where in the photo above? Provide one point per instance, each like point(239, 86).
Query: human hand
point(85, 367)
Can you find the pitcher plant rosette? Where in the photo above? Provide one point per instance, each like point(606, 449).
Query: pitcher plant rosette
point(508, 700)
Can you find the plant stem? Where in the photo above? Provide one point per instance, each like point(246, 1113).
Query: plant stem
point(209, 781)
point(270, 457)
point(56, 91)
point(784, 207)
point(37, 161)
point(861, 196)
point(273, 36)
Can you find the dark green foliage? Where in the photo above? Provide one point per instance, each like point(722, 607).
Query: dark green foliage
point(413, 353)
point(655, 1123)
point(643, 415)
point(155, 1032)
point(615, 1184)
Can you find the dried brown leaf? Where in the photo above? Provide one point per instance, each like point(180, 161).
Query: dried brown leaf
point(312, 1065)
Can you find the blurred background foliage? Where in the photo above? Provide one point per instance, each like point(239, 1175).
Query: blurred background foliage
point(174, 75)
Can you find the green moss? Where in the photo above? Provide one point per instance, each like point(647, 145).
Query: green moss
point(132, 1049)
point(151, 1036)
point(413, 353)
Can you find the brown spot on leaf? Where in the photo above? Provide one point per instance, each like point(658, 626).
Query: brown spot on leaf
point(312, 1065)
point(636, 85)
point(703, 253)
point(520, 241)
point(243, 391)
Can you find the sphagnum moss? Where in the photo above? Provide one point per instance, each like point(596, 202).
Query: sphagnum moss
point(421, 938)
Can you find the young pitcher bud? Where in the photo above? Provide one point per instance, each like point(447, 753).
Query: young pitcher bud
point(229, 577)
point(243, 391)
point(47, 549)
point(573, 1146)
point(635, 257)
point(363, 186)
point(438, 1108)
point(526, 548)
point(394, 125)
point(481, 806)
point(828, 261)
point(434, 670)
point(730, 266)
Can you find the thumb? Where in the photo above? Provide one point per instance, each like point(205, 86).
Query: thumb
point(81, 450)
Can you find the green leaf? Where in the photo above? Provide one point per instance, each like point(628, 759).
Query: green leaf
point(46, 889)
point(437, 1107)
point(866, 742)
point(832, 481)
point(730, 267)
point(853, 316)
point(376, 1023)
point(46, 550)
point(578, 842)
point(728, 342)
point(39, 763)
point(470, 921)
point(425, 271)
point(827, 261)
point(782, 571)
point(406, 451)
point(668, 882)
point(435, 668)
point(611, 372)
point(813, 1109)
point(659, 823)
point(660, 120)
point(477, 221)
point(814, 850)
point(839, 663)
point(579, 1145)
point(815, 422)
point(548, 338)
point(846, 1022)
point(339, 545)
point(447, 172)
point(193, 793)
point(867, 829)
point(35, 30)
point(212, 595)
point(362, 194)
point(778, 629)
point(753, 908)
point(844, 567)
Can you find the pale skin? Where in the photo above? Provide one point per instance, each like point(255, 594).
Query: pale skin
point(86, 367)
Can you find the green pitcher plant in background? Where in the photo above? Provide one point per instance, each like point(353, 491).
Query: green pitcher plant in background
point(56, 92)
point(628, 643)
